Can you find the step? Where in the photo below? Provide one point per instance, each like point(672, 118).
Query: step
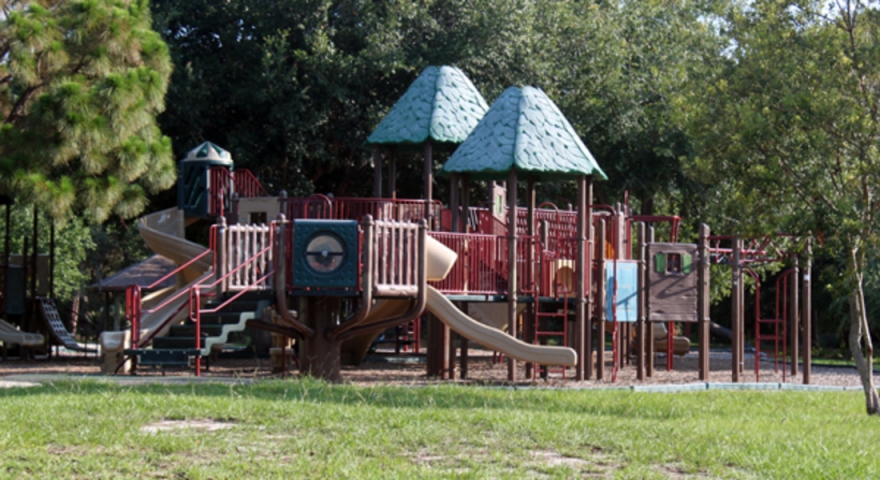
point(176, 343)
point(222, 317)
point(189, 330)
point(163, 357)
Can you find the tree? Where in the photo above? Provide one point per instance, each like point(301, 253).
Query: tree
point(81, 82)
point(788, 128)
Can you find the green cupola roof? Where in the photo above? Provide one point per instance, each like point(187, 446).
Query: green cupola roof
point(441, 104)
point(523, 130)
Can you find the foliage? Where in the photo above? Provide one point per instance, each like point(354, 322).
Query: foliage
point(787, 130)
point(293, 89)
point(73, 242)
point(81, 82)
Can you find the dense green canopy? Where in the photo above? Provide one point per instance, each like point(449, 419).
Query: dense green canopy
point(525, 131)
point(441, 104)
point(81, 83)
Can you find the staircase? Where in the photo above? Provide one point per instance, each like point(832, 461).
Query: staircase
point(178, 347)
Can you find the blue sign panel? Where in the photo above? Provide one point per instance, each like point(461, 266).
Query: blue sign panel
point(627, 290)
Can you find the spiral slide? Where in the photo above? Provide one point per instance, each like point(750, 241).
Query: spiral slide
point(163, 232)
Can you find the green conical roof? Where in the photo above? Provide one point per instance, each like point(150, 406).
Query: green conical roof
point(442, 104)
point(524, 130)
point(208, 151)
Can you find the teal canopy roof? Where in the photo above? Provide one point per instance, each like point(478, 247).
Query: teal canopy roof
point(523, 130)
point(442, 104)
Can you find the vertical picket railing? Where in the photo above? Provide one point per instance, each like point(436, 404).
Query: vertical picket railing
point(246, 246)
point(395, 258)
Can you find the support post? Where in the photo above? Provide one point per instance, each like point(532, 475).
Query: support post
point(794, 315)
point(220, 256)
point(377, 172)
point(736, 310)
point(582, 268)
point(640, 325)
point(36, 248)
point(321, 356)
point(531, 318)
point(51, 290)
point(807, 313)
point(511, 268)
point(392, 173)
point(463, 228)
point(703, 303)
point(649, 349)
point(600, 304)
point(234, 215)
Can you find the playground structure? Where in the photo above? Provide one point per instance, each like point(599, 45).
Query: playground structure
point(30, 320)
point(334, 273)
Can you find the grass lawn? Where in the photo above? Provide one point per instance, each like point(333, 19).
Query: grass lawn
point(311, 429)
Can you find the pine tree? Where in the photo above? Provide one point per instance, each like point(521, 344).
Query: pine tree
point(81, 83)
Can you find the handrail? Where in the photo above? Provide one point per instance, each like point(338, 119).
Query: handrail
point(249, 186)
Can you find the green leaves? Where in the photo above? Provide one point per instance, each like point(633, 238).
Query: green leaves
point(86, 79)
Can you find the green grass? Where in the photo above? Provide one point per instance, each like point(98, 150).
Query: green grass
point(311, 429)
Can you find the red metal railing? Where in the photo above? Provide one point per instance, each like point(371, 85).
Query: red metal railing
point(222, 184)
point(247, 185)
point(195, 292)
point(133, 302)
point(352, 208)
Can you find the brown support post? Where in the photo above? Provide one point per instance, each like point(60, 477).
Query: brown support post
point(703, 303)
point(428, 174)
point(736, 311)
point(36, 249)
point(463, 228)
point(377, 172)
point(220, 256)
point(794, 315)
point(438, 332)
point(392, 173)
point(640, 325)
point(511, 268)
point(51, 290)
point(233, 216)
point(600, 304)
point(587, 266)
point(26, 320)
point(807, 313)
point(452, 353)
point(531, 317)
point(463, 344)
point(453, 206)
point(581, 267)
point(320, 356)
point(649, 349)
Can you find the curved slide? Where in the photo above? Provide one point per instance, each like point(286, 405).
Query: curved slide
point(495, 339)
point(163, 232)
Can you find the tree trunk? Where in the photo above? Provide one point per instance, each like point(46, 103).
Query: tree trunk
point(860, 343)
